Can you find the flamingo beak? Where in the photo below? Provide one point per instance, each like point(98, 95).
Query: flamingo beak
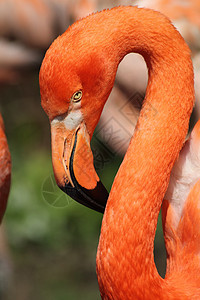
point(73, 166)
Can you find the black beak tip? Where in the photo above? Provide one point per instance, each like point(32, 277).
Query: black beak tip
point(95, 199)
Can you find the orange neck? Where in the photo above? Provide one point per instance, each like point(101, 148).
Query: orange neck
point(125, 264)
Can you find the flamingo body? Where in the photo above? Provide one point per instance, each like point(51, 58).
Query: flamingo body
point(185, 173)
point(181, 212)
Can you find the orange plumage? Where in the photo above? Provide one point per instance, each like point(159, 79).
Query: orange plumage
point(5, 170)
point(85, 58)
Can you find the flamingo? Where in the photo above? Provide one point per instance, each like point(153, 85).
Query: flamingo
point(76, 78)
point(5, 170)
point(5, 178)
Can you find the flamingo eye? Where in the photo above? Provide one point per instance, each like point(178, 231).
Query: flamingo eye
point(77, 96)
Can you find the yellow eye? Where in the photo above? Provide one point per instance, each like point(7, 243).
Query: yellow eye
point(77, 96)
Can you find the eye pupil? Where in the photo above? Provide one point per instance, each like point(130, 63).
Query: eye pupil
point(77, 96)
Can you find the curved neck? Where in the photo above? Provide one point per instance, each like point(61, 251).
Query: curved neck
point(125, 264)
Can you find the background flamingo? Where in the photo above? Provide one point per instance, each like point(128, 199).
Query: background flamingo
point(27, 28)
point(5, 167)
point(125, 265)
point(5, 178)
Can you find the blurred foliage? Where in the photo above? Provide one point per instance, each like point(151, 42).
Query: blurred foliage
point(53, 243)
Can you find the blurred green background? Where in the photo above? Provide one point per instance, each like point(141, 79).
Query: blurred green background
point(52, 240)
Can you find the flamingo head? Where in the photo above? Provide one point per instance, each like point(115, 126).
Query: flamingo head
point(75, 82)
